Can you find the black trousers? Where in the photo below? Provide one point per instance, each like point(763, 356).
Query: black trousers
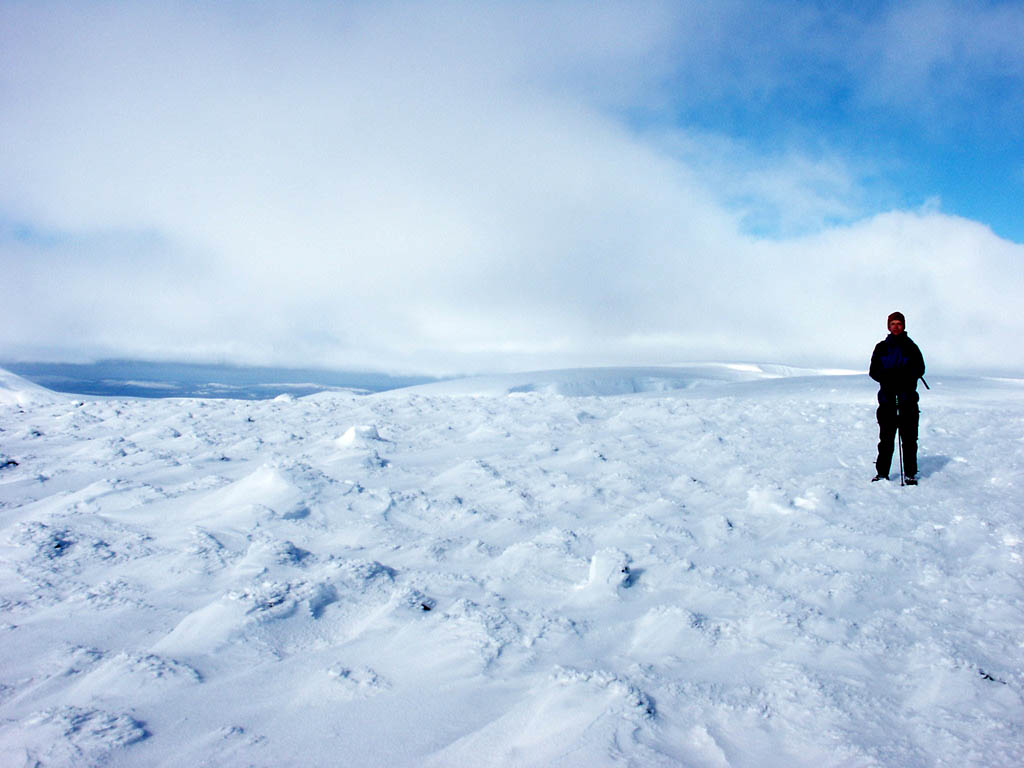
point(906, 419)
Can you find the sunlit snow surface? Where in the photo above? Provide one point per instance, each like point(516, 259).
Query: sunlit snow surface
point(502, 572)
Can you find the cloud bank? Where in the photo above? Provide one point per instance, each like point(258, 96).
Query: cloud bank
point(464, 187)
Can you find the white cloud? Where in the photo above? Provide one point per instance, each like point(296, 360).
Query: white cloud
point(956, 282)
point(426, 187)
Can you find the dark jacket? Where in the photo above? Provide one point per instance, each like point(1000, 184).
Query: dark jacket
point(896, 364)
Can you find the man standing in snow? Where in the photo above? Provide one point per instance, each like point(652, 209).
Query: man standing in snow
point(897, 364)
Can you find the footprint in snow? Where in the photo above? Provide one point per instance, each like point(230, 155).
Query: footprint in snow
point(68, 735)
point(357, 683)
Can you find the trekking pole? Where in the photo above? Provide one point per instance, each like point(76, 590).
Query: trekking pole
point(899, 438)
point(924, 382)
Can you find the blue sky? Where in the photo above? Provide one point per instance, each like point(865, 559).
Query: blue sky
point(452, 186)
point(928, 96)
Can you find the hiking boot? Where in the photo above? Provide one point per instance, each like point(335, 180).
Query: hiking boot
point(911, 480)
point(878, 477)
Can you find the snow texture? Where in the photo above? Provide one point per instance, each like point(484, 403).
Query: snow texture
point(655, 567)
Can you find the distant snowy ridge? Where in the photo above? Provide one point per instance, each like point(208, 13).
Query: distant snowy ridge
point(582, 382)
point(14, 390)
point(570, 382)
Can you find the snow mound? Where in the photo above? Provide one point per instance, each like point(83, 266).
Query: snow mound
point(609, 570)
point(358, 435)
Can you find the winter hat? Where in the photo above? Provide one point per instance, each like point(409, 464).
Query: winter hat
point(896, 316)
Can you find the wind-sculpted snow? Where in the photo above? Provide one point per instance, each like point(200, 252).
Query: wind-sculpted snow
point(697, 573)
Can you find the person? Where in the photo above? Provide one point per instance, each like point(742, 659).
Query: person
point(897, 364)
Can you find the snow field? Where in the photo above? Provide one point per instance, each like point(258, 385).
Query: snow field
point(693, 577)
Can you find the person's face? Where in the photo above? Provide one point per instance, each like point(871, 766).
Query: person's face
point(895, 327)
